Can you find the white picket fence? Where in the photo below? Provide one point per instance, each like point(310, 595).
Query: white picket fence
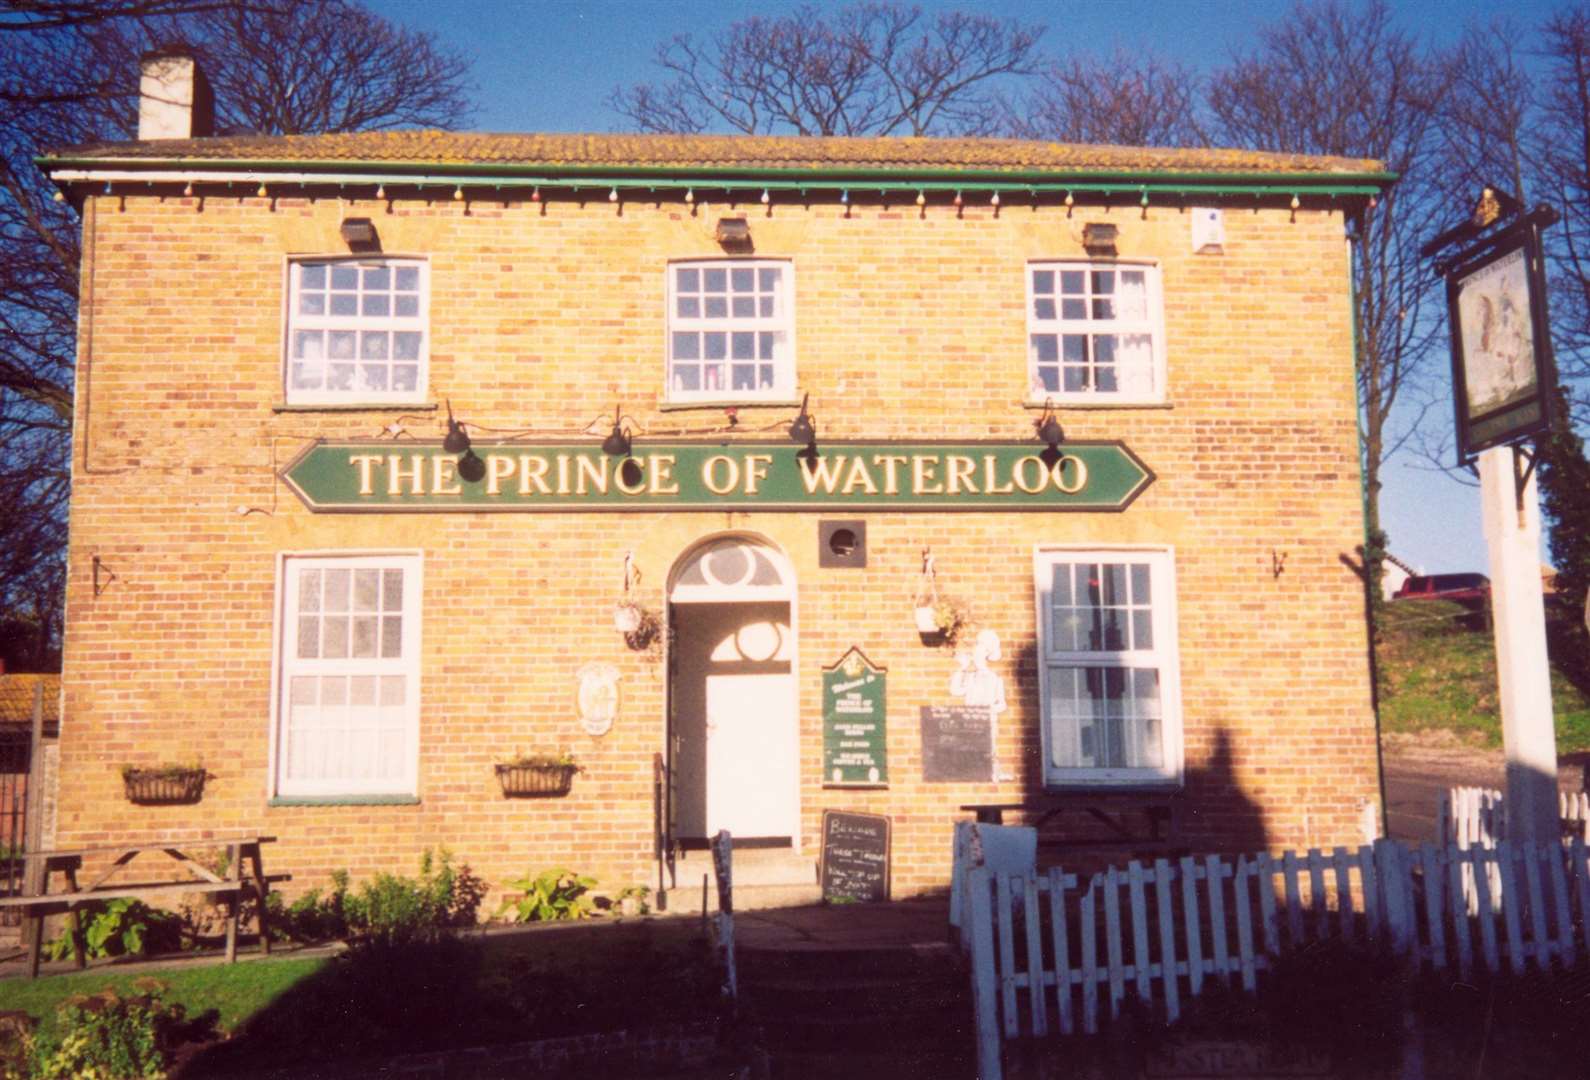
point(1477, 817)
point(1035, 938)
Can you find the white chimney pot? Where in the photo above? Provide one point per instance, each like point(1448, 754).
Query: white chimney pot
point(174, 99)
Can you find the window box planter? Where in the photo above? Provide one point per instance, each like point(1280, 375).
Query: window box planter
point(163, 786)
point(536, 780)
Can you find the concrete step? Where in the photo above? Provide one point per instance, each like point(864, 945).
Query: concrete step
point(933, 961)
point(752, 866)
point(687, 901)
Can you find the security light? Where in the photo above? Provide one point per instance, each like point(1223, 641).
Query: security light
point(360, 235)
point(734, 234)
point(1099, 238)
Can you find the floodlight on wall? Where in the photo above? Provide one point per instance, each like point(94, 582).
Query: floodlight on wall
point(618, 442)
point(457, 440)
point(734, 234)
point(1048, 428)
point(360, 235)
point(1099, 238)
point(803, 429)
point(471, 467)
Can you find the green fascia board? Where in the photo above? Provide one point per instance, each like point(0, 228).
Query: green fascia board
point(1235, 181)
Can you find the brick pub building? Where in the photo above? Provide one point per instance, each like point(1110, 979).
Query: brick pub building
point(280, 572)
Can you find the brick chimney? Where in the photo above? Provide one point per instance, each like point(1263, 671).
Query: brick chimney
point(174, 98)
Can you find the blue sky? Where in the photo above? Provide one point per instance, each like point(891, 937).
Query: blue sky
point(552, 66)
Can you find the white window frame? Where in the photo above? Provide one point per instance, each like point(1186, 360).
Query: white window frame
point(293, 321)
point(285, 664)
point(1152, 324)
point(1164, 656)
point(782, 321)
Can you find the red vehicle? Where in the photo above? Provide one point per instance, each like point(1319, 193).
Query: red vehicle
point(1445, 587)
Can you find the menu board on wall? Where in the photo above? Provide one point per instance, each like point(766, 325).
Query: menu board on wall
point(855, 737)
point(957, 743)
point(855, 856)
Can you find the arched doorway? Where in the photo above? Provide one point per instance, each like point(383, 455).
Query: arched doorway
point(734, 743)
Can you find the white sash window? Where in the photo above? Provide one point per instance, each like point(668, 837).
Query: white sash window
point(1095, 333)
point(348, 698)
point(731, 330)
point(1111, 702)
point(357, 331)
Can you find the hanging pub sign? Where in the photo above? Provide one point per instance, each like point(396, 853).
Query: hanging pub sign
point(855, 735)
point(390, 477)
point(1503, 377)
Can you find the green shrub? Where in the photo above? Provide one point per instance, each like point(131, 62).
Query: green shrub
point(106, 1036)
point(122, 927)
point(391, 910)
point(552, 896)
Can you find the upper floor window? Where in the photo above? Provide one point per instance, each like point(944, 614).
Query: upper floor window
point(356, 331)
point(1094, 332)
point(1108, 670)
point(731, 330)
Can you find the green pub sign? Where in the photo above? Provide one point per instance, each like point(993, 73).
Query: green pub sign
point(855, 742)
point(407, 477)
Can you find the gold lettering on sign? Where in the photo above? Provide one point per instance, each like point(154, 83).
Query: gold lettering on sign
point(756, 470)
point(533, 470)
point(710, 469)
point(498, 468)
point(563, 474)
point(594, 471)
point(395, 475)
point(364, 463)
point(824, 471)
point(444, 476)
point(661, 468)
point(958, 475)
point(1019, 474)
point(924, 471)
point(859, 477)
point(891, 476)
point(1079, 467)
point(991, 485)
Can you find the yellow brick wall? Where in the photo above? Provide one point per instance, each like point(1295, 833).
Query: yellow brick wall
point(545, 316)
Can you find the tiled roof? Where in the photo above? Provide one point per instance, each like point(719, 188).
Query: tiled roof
point(16, 699)
point(751, 154)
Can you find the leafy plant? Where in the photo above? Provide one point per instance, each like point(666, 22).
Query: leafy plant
point(952, 617)
point(159, 772)
point(391, 910)
point(552, 896)
point(107, 1036)
point(640, 894)
point(545, 761)
point(121, 927)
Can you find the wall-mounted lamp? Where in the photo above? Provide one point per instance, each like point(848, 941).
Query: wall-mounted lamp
point(803, 429)
point(471, 467)
point(360, 235)
point(1047, 428)
point(457, 440)
point(618, 442)
point(734, 234)
point(1099, 238)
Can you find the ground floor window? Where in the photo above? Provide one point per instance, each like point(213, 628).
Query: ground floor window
point(348, 661)
point(1106, 630)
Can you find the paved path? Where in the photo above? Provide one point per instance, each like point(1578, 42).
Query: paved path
point(1417, 776)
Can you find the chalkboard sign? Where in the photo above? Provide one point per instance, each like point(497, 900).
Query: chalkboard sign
point(855, 741)
point(855, 856)
point(957, 743)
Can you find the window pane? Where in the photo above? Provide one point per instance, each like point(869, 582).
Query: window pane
point(408, 278)
point(342, 344)
point(377, 278)
point(687, 346)
point(392, 590)
point(744, 307)
point(336, 593)
point(366, 589)
point(687, 377)
point(391, 636)
point(1104, 281)
point(744, 346)
point(374, 376)
point(687, 280)
point(1071, 282)
point(743, 279)
point(767, 307)
point(406, 307)
point(372, 344)
point(1045, 348)
point(716, 279)
point(717, 307)
point(365, 628)
point(340, 377)
point(744, 377)
point(377, 305)
point(1043, 308)
point(312, 304)
point(335, 642)
point(689, 307)
point(344, 303)
point(308, 637)
point(766, 343)
point(1073, 309)
point(405, 377)
point(1049, 379)
point(312, 276)
point(717, 345)
point(309, 590)
point(393, 690)
point(769, 276)
point(1103, 308)
point(1043, 281)
point(344, 277)
point(308, 344)
point(406, 345)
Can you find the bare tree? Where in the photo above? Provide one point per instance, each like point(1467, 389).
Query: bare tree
point(1126, 99)
point(870, 69)
point(69, 76)
point(1561, 154)
point(1329, 79)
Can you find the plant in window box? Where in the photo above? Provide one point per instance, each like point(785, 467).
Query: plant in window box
point(164, 785)
point(537, 776)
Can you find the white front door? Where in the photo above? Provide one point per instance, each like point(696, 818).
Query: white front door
point(737, 750)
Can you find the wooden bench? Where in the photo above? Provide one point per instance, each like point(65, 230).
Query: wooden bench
point(235, 886)
point(1113, 810)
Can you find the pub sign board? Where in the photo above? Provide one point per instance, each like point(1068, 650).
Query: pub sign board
point(855, 856)
point(855, 729)
point(384, 476)
point(1503, 377)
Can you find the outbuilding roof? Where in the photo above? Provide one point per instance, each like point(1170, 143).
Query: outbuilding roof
point(727, 154)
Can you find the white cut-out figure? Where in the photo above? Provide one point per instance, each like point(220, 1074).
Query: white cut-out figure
point(973, 680)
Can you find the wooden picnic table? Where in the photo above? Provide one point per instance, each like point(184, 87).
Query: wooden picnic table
point(1113, 809)
point(111, 884)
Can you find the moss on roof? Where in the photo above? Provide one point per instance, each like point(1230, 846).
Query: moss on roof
point(747, 154)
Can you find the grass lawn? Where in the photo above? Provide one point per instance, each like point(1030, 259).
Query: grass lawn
point(554, 980)
point(1437, 664)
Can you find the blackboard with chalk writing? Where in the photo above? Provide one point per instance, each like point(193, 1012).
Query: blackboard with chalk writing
point(855, 856)
point(957, 743)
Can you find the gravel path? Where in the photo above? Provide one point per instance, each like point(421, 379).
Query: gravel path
point(1418, 772)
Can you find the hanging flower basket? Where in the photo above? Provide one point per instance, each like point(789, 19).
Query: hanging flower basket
point(536, 779)
point(166, 786)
